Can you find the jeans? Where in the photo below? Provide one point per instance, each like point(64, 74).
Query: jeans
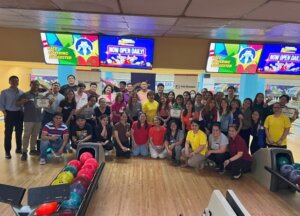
point(120, 152)
point(13, 119)
point(55, 145)
point(140, 150)
point(176, 152)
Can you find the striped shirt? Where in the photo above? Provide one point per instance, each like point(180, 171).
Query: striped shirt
point(51, 130)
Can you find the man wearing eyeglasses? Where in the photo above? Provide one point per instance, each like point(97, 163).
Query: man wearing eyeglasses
point(277, 127)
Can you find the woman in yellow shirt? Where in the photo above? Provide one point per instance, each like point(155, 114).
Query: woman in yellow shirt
point(150, 107)
point(195, 147)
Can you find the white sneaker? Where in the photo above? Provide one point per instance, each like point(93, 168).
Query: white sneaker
point(43, 161)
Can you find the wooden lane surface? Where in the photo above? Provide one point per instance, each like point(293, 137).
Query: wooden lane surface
point(140, 186)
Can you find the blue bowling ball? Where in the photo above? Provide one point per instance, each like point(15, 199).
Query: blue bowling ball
point(294, 176)
point(72, 203)
point(286, 169)
point(78, 188)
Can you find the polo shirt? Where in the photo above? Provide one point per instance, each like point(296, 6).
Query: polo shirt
point(197, 140)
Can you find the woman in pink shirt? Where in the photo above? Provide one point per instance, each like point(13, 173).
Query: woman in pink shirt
point(108, 95)
point(118, 108)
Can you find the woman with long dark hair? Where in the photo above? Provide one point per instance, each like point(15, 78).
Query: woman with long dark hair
point(173, 142)
point(226, 117)
point(246, 120)
point(140, 136)
point(117, 108)
point(258, 132)
point(122, 137)
point(103, 133)
point(187, 116)
point(68, 106)
point(134, 107)
point(208, 115)
point(163, 110)
point(176, 110)
point(235, 107)
point(171, 98)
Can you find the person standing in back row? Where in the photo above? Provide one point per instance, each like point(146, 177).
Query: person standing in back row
point(71, 85)
point(13, 115)
point(32, 119)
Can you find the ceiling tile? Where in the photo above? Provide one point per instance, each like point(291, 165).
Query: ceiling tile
point(222, 9)
point(154, 7)
point(28, 4)
point(151, 27)
point(103, 6)
point(150, 20)
point(251, 24)
point(202, 22)
point(277, 11)
point(190, 29)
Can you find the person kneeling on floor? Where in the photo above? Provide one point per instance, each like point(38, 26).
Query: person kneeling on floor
point(240, 159)
point(82, 132)
point(195, 147)
point(55, 135)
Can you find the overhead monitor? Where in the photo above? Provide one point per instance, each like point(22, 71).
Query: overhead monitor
point(71, 49)
point(280, 59)
point(126, 52)
point(233, 58)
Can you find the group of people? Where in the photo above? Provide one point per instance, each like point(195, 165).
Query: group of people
point(193, 129)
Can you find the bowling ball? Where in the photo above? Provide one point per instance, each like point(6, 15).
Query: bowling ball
point(66, 176)
point(92, 161)
point(296, 166)
point(282, 160)
point(86, 173)
point(89, 167)
point(85, 156)
point(71, 169)
point(73, 202)
point(75, 163)
point(294, 176)
point(78, 188)
point(59, 182)
point(286, 169)
point(82, 180)
point(46, 208)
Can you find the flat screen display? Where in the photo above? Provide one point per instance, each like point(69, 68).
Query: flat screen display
point(71, 49)
point(280, 59)
point(233, 58)
point(126, 52)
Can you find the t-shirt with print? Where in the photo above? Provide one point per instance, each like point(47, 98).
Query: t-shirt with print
point(215, 143)
point(81, 133)
point(66, 108)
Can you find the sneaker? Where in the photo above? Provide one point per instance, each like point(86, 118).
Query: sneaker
point(221, 171)
point(18, 151)
point(43, 161)
point(34, 152)
point(236, 177)
point(8, 156)
point(24, 157)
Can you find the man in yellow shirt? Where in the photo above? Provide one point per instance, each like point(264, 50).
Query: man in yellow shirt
point(150, 107)
point(277, 127)
point(195, 147)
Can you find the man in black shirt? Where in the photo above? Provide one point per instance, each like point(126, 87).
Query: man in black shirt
point(82, 132)
point(71, 85)
point(160, 92)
